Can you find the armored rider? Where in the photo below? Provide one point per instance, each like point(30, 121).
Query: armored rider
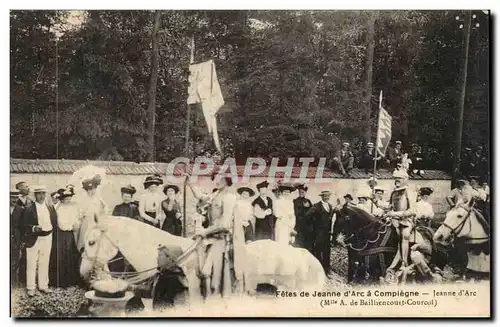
point(402, 213)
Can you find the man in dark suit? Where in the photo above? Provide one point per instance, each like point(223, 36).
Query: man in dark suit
point(39, 218)
point(321, 214)
point(303, 224)
point(344, 160)
point(395, 154)
point(368, 157)
point(263, 212)
point(18, 252)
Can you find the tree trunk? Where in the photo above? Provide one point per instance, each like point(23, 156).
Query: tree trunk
point(152, 89)
point(370, 46)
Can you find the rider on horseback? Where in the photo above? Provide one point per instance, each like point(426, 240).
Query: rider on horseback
point(402, 213)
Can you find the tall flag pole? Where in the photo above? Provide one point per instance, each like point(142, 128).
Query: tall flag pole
point(384, 133)
point(186, 146)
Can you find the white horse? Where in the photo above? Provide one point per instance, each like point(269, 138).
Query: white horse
point(267, 262)
point(462, 223)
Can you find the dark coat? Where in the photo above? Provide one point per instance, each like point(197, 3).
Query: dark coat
point(16, 220)
point(264, 228)
point(322, 222)
point(30, 219)
point(304, 226)
point(130, 210)
point(366, 159)
point(394, 156)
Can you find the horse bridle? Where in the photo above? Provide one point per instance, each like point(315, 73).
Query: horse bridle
point(455, 231)
point(135, 277)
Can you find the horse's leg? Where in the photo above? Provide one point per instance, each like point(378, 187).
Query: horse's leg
point(395, 261)
point(148, 304)
point(194, 290)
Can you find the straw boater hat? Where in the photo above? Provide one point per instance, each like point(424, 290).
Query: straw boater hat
point(364, 194)
point(378, 188)
point(399, 142)
point(325, 193)
point(246, 189)
point(346, 144)
point(369, 144)
point(40, 189)
point(129, 189)
point(172, 186)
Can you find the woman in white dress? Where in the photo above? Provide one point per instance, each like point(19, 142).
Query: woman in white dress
point(285, 214)
point(92, 209)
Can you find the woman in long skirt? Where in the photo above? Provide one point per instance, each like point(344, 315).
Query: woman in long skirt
point(169, 212)
point(65, 258)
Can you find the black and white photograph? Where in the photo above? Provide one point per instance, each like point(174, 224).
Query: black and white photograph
point(250, 163)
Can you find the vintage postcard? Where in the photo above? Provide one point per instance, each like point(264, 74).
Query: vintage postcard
point(250, 163)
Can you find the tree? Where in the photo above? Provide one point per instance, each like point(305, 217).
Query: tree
point(152, 88)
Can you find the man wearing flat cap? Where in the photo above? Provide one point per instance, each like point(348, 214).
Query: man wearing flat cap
point(343, 160)
point(321, 215)
point(263, 212)
point(128, 208)
point(39, 218)
point(304, 226)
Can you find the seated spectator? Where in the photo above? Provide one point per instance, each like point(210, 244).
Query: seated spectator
point(395, 154)
point(368, 158)
point(343, 161)
point(417, 160)
point(478, 162)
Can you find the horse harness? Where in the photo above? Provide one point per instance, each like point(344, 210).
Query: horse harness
point(457, 229)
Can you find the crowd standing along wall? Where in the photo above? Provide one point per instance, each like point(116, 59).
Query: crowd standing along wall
point(55, 174)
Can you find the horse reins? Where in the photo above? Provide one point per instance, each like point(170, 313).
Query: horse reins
point(455, 231)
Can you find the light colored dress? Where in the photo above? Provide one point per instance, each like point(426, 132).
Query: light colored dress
point(285, 223)
point(91, 208)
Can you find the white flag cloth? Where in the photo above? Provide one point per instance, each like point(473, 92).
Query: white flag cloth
point(384, 132)
point(204, 88)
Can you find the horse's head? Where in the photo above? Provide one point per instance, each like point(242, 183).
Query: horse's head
point(352, 220)
point(97, 252)
point(454, 225)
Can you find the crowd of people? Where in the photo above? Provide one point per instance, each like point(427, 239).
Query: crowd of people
point(344, 160)
point(48, 232)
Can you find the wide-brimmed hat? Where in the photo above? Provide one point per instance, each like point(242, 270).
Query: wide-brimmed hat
point(325, 193)
point(152, 180)
point(40, 189)
point(348, 196)
point(65, 193)
point(172, 186)
point(426, 190)
point(286, 187)
point(246, 189)
point(263, 184)
point(129, 189)
point(89, 183)
point(301, 187)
